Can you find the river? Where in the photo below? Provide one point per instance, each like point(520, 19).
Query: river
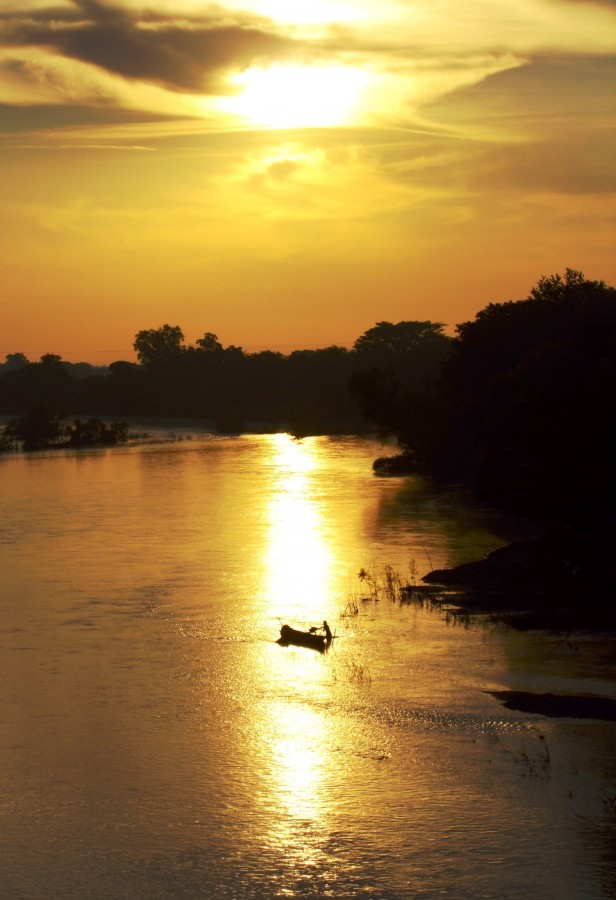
point(156, 741)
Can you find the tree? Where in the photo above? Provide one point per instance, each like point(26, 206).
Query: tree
point(15, 362)
point(38, 428)
point(318, 400)
point(44, 383)
point(125, 388)
point(527, 401)
point(401, 338)
point(51, 359)
point(209, 343)
point(572, 287)
point(266, 389)
point(413, 351)
point(397, 367)
point(157, 346)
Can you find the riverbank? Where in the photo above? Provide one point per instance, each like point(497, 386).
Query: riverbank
point(559, 706)
point(562, 581)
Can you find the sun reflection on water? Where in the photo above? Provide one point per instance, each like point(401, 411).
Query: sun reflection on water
point(294, 733)
point(297, 797)
point(297, 757)
point(298, 559)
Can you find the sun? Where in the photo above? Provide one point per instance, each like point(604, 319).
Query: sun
point(297, 96)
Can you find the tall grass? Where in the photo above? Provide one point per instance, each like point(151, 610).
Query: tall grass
point(390, 585)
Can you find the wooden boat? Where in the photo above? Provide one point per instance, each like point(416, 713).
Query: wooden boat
point(311, 639)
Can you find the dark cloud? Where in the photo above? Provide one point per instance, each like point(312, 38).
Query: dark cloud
point(182, 54)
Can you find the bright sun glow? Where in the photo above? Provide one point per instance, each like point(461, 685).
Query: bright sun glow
point(297, 96)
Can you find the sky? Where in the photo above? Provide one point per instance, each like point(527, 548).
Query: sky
point(287, 173)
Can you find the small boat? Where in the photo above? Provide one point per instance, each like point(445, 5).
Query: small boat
point(311, 638)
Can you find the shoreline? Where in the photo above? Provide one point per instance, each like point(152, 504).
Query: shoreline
point(559, 706)
point(560, 582)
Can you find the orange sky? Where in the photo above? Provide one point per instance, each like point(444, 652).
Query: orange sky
point(287, 173)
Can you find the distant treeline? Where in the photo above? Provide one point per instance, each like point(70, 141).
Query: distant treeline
point(305, 392)
point(518, 406)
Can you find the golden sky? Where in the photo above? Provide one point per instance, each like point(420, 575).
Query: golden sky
point(286, 173)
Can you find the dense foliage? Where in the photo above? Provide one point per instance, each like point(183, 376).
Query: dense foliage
point(527, 396)
point(523, 412)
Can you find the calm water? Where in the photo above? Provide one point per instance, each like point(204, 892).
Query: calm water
point(155, 741)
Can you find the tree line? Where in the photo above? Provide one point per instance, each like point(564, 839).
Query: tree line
point(305, 392)
point(518, 406)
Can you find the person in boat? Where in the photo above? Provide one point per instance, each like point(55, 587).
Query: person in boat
point(324, 628)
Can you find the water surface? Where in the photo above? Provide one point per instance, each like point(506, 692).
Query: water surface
point(156, 742)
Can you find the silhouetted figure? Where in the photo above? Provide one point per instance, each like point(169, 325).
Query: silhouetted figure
point(327, 630)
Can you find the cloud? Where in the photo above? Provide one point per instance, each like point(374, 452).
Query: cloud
point(180, 59)
point(183, 54)
point(551, 93)
point(21, 119)
point(583, 165)
point(544, 128)
point(438, 28)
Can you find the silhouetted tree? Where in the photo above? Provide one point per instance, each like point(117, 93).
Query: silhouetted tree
point(44, 383)
point(527, 401)
point(318, 400)
point(209, 343)
point(413, 351)
point(162, 354)
point(125, 389)
point(95, 433)
point(265, 390)
point(397, 369)
point(15, 362)
point(37, 429)
point(159, 345)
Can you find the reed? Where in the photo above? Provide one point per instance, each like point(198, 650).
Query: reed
point(390, 584)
